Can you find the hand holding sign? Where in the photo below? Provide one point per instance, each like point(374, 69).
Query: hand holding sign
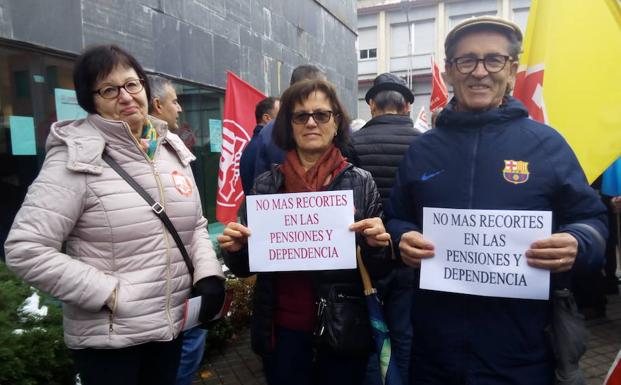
point(373, 230)
point(414, 248)
point(234, 237)
point(556, 253)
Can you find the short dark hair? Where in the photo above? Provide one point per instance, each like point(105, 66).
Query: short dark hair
point(94, 64)
point(265, 106)
point(515, 44)
point(306, 72)
point(298, 93)
point(389, 99)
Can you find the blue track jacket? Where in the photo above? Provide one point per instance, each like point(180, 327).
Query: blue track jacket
point(466, 339)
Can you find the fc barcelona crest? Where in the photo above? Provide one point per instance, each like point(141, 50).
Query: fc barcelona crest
point(515, 171)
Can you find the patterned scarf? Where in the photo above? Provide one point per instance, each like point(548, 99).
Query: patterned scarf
point(317, 177)
point(148, 139)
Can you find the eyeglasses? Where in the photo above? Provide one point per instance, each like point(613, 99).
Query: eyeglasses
point(132, 86)
point(491, 63)
point(318, 117)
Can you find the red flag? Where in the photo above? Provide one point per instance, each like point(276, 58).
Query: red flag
point(238, 123)
point(614, 374)
point(439, 93)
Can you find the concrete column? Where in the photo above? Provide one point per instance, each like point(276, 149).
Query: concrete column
point(504, 9)
point(383, 42)
point(441, 31)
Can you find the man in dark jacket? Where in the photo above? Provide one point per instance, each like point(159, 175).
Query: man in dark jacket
point(264, 112)
point(378, 147)
point(485, 153)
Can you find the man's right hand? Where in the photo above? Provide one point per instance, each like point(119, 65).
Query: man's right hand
point(414, 248)
point(234, 237)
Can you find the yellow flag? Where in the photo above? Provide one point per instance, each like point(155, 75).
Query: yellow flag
point(570, 76)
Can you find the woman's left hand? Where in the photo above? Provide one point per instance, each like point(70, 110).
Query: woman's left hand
point(373, 230)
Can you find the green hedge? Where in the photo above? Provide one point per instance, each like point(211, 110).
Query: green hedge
point(238, 318)
point(38, 355)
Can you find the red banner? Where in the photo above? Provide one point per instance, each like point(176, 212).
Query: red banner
point(614, 374)
point(238, 123)
point(439, 93)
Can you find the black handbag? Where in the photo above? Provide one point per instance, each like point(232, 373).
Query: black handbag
point(158, 210)
point(567, 336)
point(343, 321)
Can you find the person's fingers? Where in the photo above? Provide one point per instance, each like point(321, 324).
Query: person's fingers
point(363, 224)
point(373, 231)
point(555, 265)
point(383, 236)
point(236, 230)
point(416, 240)
point(558, 240)
point(413, 248)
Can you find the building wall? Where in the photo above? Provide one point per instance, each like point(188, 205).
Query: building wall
point(199, 40)
point(193, 42)
point(407, 34)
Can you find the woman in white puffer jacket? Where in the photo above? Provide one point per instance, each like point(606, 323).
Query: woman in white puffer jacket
point(122, 279)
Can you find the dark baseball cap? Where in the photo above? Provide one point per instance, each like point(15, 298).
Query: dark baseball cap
point(388, 81)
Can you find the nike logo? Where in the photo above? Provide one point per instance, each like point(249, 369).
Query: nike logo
point(427, 176)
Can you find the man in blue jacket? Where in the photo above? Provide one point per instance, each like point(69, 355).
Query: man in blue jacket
point(264, 112)
point(468, 339)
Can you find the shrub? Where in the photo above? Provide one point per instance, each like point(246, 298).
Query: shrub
point(237, 319)
point(38, 354)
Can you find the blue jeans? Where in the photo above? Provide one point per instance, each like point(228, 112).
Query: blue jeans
point(191, 355)
point(397, 291)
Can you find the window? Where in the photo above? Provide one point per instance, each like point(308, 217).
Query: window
point(370, 53)
point(400, 40)
point(520, 17)
point(36, 90)
point(200, 119)
point(420, 34)
point(424, 36)
point(454, 20)
point(367, 39)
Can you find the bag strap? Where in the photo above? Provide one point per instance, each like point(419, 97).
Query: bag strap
point(364, 274)
point(157, 208)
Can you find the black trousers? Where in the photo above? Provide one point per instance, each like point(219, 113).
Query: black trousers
point(152, 363)
point(293, 362)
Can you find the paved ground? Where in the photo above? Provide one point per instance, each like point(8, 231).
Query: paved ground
point(237, 365)
point(604, 342)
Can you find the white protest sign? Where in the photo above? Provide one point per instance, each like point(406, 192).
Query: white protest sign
point(302, 231)
point(481, 252)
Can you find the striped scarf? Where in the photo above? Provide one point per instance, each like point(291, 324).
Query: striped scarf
point(148, 139)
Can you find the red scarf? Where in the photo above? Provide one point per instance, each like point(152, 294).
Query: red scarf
point(295, 299)
point(297, 179)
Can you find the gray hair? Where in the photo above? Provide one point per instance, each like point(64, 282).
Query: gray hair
point(158, 86)
point(389, 99)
